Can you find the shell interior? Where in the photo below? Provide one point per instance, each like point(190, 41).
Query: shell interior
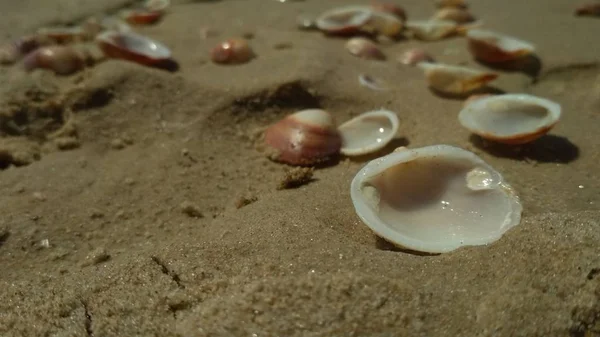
point(503, 42)
point(368, 132)
point(509, 115)
point(137, 44)
point(434, 199)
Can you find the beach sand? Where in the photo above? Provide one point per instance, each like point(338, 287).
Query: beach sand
point(153, 212)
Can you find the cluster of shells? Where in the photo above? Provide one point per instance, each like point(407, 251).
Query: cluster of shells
point(66, 50)
point(436, 198)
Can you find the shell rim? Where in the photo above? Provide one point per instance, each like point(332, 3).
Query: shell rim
point(372, 220)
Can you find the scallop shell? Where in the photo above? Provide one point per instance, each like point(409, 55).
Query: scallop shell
point(510, 118)
point(434, 199)
point(344, 20)
point(455, 79)
point(133, 47)
point(364, 48)
point(304, 138)
point(368, 132)
point(492, 47)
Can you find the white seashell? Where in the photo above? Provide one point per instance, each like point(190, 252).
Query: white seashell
point(455, 80)
point(493, 47)
point(510, 118)
point(368, 132)
point(434, 199)
point(133, 47)
point(344, 20)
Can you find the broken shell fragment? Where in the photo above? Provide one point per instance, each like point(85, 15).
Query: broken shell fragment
point(372, 83)
point(588, 10)
point(364, 48)
point(433, 30)
point(492, 47)
point(510, 118)
point(232, 51)
point(434, 199)
point(391, 8)
point(455, 14)
point(344, 20)
point(455, 80)
point(304, 138)
point(414, 56)
point(133, 47)
point(63, 60)
point(368, 132)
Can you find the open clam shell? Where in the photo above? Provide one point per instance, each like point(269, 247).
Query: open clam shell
point(492, 47)
point(510, 118)
point(304, 138)
point(434, 199)
point(368, 132)
point(133, 47)
point(344, 20)
point(455, 80)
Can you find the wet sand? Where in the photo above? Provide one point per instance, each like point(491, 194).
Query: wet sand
point(153, 213)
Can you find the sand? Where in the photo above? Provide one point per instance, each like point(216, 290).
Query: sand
point(135, 201)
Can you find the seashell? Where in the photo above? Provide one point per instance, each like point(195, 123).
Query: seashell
point(372, 83)
point(304, 138)
point(475, 97)
point(11, 52)
point(368, 132)
point(433, 30)
point(434, 199)
point(133, 47)
point(492, 47)
point(364, 48)
point(232, 51)
point(156, 5)
point(455, 14)
point(390, 8)
point(414, 56)
point(63, 60)
point(383, 23)
point(344, 20)
point(455, 79)
point(140, 16)
point(510, 118)
point(588, 10)
point(451, 3)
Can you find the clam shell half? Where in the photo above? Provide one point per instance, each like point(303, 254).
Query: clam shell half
point(368, 132)
point(434, 199)
point(455, 80)
point(510, 118)
point(492, 47)
point(133, 47)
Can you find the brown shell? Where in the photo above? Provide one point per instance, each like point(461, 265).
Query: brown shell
point(232, 51)
point(491, 53)
point(588, 10)
point(63, 60)
point(296, 142)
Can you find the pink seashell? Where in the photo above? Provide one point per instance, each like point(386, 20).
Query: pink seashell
point(63, 60)
point(304, 138)
point(232, 51)
point(364, 48)
point(133, 47)
point(414, 56)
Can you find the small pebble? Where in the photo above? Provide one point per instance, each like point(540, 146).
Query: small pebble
point(296, 177)
point(39, 196)
point(97, 256)
point(117, 144)
point(67, 143)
